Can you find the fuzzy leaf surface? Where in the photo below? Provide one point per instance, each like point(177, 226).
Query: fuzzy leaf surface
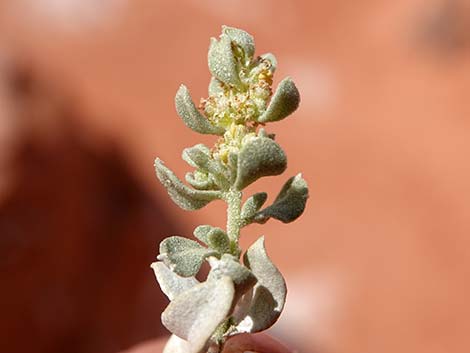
point(170, 283)
point(289, 204)
point(284, 102)
point(184, 196)
point(252, 205)
point(228, 265)
point(268, 295)
point(221, 60)
point(191, 116)
point(183, 256)
point(241, 38)
point(195, 314)
point(213, 237)
point(176, 345)
point(259, 157)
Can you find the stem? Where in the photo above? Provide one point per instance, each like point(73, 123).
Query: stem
point(234, 202)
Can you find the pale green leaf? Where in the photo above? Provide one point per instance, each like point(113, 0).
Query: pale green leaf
point(171, 284)
point(269, 294)
point(195, 314)
point(215, 86)
point(177, 345)
point(259, 157)
point(271, 59)
point(284, 102)
point(251, 206)
point(183, 256)
point(229, 265)
point(242, 39)
point(184, 196)
point(214, 237)
point(289, 204)
point(222, 63)
point(191, 116)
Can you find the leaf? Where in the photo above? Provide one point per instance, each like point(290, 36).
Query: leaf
point(251, 206)
point(199, 156)
point(184, 196)
point(214, 237)
point(289, 204)
point(259, 157)
point(269, 294)
point(242, 39)
point(170, 283)
point(191, 116)
point(228, 265)
point(177, 345)
point(285, 101)
point(200, 181)
point(183, 256)
point(222, 64)
point(215, 86)
point(271, 59)
point(195, 314)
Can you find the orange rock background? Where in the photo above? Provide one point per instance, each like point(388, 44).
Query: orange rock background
point(380, 261)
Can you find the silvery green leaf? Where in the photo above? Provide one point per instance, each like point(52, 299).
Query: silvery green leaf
point(269, 294)
point(222, 63)
point(218, 240)
point(202, 231)
point(285, 101)
point(170, 283)
point(215, 86)
point(177, 345)
point(289, 204)
point(214, 237)
point(228, 265)
point(191, 116)
point(259, 157)
point(199, 156)
point(200, 183)
point(195, 314)
point(252, 205)
point(184, 196)
point(271, 59)
point(241, 38)
point(183, 256)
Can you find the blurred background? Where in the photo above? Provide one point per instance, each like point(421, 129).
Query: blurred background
point(380, 261)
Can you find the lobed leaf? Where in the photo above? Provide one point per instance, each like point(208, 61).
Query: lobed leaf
point(171, 284)
point(191, 116)
point(259, 157)
point(184, 196)
point(195, 314)
point(183, 256)
point(289, 204)
point(284, 102)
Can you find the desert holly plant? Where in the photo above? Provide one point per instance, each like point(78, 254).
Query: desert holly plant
point(237, 296)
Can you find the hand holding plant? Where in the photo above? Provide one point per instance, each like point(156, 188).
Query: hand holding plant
point(236, 298)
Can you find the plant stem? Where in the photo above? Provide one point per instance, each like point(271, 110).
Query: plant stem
point(234, 202)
